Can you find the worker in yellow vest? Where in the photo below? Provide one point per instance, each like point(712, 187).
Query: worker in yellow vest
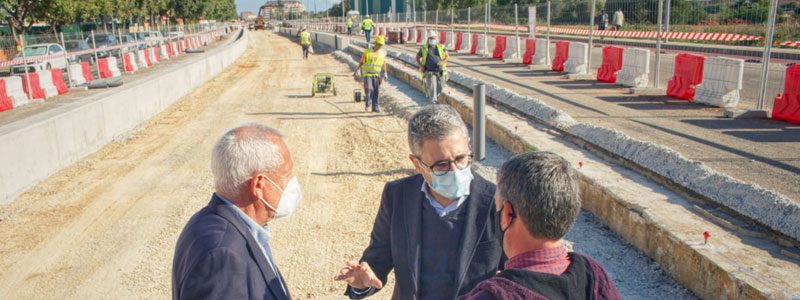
point(349, 24)
point(366, 26)
point(372, 63)
point(305, 41)
point(432, 61)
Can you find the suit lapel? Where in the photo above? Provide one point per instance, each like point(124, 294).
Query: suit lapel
point(478, 206)
point(255, 250)
point(412, 205)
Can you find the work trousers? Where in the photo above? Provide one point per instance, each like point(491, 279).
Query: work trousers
point(433, 85)
point(371, 87)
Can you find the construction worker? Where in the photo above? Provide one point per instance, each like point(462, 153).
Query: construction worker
point(305, 41)
point(433, 66)
point(372, 63)
point(366, 25)
point(349, 24)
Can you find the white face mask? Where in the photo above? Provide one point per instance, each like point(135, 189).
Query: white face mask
point(453, 184)
point(290, 198)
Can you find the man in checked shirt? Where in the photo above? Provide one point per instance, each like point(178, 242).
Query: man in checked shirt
point(538, 200)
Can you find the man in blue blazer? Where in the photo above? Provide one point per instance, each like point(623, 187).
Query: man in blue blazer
point(223, 252)
point(436, 228)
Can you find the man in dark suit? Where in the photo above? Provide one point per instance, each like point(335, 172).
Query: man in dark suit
point(435, 229)
point(223, 252)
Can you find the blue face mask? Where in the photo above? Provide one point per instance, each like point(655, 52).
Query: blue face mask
point(432, 42)
point(453, 184)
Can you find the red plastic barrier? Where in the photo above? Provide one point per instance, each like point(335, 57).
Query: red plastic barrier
point(419, 36)
point(688, 74)
point(147, 57)
point(36, 91)
point(530, 50)
point(86, 69)
point(474, 47)
point(499, 46)
point(156, 54)
point(787, 104)
point(128, 62)
point(562, 53)
point(5, 101)
point(181, 47)
point(612, 63)
point(105, 71)
point(58, 81)
point(170, 51)
point(443, 37)
point(459, 40)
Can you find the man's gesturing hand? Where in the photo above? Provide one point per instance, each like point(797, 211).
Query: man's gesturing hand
point(359, 276)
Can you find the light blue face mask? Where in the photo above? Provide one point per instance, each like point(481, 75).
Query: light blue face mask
point(453, 184)
point(432, 42)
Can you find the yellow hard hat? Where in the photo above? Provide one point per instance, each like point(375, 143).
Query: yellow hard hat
point(380, 40)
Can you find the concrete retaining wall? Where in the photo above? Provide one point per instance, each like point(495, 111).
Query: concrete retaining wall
point(37, 147)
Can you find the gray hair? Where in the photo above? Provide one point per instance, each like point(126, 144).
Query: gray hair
point(242, 151)
point(543, 189)
point(436, 122)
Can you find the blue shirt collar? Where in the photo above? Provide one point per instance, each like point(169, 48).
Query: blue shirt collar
point(441, 210)
point(260, 233)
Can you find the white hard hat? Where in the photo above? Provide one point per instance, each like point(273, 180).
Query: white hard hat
point(367, 16)
point(432, 34)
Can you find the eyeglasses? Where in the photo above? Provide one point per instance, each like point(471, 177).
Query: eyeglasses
point(443, 166)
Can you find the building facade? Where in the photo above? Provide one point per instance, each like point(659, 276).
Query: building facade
point(281, 9)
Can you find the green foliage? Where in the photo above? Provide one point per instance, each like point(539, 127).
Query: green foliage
point(747, 11)
point(687, 12)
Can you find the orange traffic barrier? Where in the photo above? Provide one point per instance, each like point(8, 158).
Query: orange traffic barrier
point(129, 65)
point(530, 50)
point(787, 104)
point(459, 40)
point(32, 86)
point(474, 47)
point(147, 57)
point(58, 81)
point(562, 53)
point(443, 37)
point(419, 36)
point(688, 74)
point(5, 101)
point(612, 63)
point(105, 71)
point(499, 46)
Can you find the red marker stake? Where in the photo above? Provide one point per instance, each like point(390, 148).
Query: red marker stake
point(580, 165)
point(706, 235)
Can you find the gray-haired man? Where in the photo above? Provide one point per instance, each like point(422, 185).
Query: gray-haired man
point(223, 252)
point(435, 228)
point(538, 200)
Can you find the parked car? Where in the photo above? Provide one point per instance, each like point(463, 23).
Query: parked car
point(78, 45)
point(175, 34)
point(127, 38)
point(41, 50)
point(103, 40)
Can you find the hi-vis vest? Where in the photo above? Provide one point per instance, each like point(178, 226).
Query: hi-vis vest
point(305, 38)
point(349, 23)
point(367, 24)
point(373, 62)
point(440, 49)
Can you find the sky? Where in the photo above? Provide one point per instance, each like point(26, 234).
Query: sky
point(253, 5)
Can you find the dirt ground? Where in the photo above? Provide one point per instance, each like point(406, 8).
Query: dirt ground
point(106, 227)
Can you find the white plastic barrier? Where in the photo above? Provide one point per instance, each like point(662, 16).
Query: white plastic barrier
point(163, 51)
point(141, 61)
point(76, 74)
point(113, 66)
point(542, 54)
point(15, 91)
point(511, 52)
point(722, 81)
point(406, 34)
point(152, 54)
point(132, 59)
point(635, 70)
point(483, 47)
point(175, 49)
point(451, 40)
point(578, 57)
point(466, 42)
point(413, 34)
point(424, 38)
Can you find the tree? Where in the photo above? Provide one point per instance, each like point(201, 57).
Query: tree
point(21, 14)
